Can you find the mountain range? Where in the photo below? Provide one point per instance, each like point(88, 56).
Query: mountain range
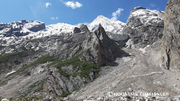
point(104, 60)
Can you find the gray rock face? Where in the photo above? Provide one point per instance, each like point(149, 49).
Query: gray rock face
point(118, 37)
point(107, 50)
point(84, 29)
point(56, 83)
point(170, 52)
point(76, 30)
point(144, 27)
point(8, 30)
point(37, 27)
point(68, 69)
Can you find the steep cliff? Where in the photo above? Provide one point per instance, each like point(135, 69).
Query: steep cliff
point(170, 53)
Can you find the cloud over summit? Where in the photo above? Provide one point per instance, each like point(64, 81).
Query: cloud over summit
point(116, 14)
point(73, 5)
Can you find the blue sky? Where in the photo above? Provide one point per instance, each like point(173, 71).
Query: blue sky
point(72, 11)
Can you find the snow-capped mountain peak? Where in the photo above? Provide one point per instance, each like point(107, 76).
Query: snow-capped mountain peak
point(140, 11)
point(109, 25)
point(146, 16)
point(101, 17)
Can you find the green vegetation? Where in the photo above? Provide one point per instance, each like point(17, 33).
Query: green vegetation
point(75, 61)
point(68, 93)
point(41, 87)
point(77, 89)
point(38, 97)
point(6, 56)
point(54, 62)
point(34, 85)
point(74, 75)
point(65, 94)
point(1, 98)
point(38, 86)
point(41, 60)
point(10, 99)
point(84, 67)
point(64, 73)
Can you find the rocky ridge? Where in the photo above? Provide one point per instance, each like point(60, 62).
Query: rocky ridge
point(90, 62)
point(20, 28)
point(144, 27)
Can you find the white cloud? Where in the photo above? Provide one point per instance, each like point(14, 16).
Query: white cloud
point(152, 5)
point(72, 4)
point(54, 18)
point(48, 4)
point(116, 14)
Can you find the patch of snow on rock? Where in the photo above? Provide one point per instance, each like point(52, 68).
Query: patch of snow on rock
point(144, 49)
point(10, 72)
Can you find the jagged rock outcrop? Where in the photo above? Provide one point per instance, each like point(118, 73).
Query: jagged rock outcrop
point(107, 50)
point(84, 29)
point(144, 27)
point(170, 53)
point(76, 30)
